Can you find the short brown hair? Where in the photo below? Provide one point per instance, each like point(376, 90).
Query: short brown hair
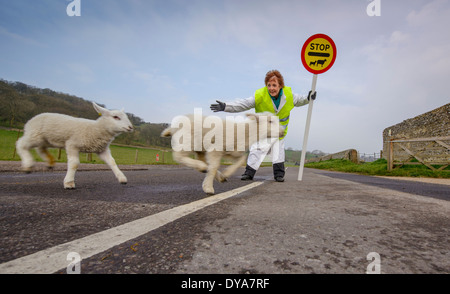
point(274, 73)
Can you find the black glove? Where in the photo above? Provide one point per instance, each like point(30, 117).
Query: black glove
point(313, 97)
point(218, 107)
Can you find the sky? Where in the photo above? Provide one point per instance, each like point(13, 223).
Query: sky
point(163, 58)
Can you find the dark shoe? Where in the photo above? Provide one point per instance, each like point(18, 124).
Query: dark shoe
point(279, 179)
point(246, 177)
point(278, 170)
point(248, 174)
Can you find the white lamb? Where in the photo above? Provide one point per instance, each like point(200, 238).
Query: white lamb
point(257, 127)
point(76, 135)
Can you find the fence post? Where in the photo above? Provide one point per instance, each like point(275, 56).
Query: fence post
point(353, 156)
point(390, 163)
point(136, 156)
point(18, 135)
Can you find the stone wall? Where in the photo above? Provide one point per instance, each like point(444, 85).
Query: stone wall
point(350, 154)
point(435, 123)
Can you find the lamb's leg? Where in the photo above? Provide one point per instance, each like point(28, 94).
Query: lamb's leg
point(213, 160)
point(46, 156)
point(202, 156)
point(24, 152)
point(232, 168)
point(182, 157)
point(109, 160)
point(73, 160)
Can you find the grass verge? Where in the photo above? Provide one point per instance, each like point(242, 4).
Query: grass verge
point(379, 168)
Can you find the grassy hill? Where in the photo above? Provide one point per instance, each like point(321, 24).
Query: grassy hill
point(20, 102)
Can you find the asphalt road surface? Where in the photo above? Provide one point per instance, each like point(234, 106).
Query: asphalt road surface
point(162, 222)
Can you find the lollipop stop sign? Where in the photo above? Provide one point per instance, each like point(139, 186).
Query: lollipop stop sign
point(318, 56)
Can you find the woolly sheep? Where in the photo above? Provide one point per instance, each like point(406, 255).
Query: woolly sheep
point(76, 135)
point(208, 161)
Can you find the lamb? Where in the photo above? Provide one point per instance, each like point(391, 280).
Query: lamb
point(257, 127)
point(321, 62)
point(76, 135)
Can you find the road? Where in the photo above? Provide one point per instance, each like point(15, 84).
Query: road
point(161, 222)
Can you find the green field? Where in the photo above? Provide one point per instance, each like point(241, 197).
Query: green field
point(122, 154)
point(379, 168)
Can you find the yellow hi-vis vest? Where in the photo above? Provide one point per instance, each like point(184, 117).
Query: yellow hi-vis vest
point(263, 102)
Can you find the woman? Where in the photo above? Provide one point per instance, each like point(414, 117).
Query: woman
point(276, 98)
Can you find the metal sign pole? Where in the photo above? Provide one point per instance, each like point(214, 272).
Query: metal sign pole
point(308, 122)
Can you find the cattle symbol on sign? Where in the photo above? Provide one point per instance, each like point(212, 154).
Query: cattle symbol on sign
point(318, 54)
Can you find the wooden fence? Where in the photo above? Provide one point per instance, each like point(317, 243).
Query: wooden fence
point(369, 157)
point(402, 151)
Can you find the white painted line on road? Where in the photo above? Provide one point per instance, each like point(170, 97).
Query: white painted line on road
point(53, 259)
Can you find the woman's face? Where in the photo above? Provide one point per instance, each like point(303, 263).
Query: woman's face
point(274, 87)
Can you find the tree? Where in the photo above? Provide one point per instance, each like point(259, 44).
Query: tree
point(14, 107)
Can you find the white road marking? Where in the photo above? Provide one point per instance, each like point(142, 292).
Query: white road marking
point(54, 259)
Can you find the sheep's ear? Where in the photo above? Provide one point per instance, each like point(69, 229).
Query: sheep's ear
point(100, 110)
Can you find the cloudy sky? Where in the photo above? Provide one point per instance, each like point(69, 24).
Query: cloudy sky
point(163, 58)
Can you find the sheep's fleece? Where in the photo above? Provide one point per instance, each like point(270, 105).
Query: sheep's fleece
point(48, 130)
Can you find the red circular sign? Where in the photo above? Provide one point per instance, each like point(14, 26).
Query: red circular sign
point(318, 53)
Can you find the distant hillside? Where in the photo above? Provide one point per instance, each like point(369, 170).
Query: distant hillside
point(293, 156)
point(19, 102)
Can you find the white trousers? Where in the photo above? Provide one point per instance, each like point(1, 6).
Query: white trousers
point(259, 150)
